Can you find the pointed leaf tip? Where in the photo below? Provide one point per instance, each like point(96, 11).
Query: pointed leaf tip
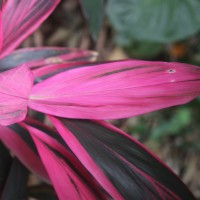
point(116, 89)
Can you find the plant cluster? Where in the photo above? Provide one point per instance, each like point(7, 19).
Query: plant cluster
point(79, 153)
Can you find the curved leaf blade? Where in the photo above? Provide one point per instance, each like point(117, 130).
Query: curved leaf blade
point(134, 170)
point(54, 142)
point(16, 85)
point(73, 188)
point(19, 141)
point(116, 89)
point(43, 56)
point(5, 163)
point(86, 159)
point(14, 94)
point(20, 18)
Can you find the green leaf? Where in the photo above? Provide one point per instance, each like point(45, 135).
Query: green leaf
point(143, 50)
point(94, 12)
point(174, 126)
point(155, 20)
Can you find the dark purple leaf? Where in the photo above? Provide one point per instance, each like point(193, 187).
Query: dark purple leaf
point(51, 143)
point(19, 141)
point(5, 162)
point(135, 172)
point(16, 183)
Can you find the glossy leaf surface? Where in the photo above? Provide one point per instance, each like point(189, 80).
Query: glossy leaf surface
point(18, 140)
point(39, 57)
point(15, 87)
point(116, 89)
point(66, 164)
point(133, 170)
point(20, 18)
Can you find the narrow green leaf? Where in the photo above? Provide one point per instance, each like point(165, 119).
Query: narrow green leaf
point(94, 12)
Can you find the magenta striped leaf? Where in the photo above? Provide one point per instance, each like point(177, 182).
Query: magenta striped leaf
point(16, 183)
point(15, 88)
point(20, 18)
point(66, 182)
point(83, 159)
point(5, 163)
point(18, 140)
point(133, 170)
point(64, 169)
point(116, 89)
point(36, 58)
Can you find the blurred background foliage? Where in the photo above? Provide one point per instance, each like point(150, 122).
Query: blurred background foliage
point(139, 29)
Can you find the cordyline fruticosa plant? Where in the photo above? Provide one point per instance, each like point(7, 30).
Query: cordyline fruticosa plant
point(83, 157)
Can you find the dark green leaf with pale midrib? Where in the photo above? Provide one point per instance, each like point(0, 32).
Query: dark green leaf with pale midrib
point(94, 11)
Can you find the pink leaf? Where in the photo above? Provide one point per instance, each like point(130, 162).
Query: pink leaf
point(15, 87)
point(133, 170)
point(37, 58)
point(13, 139)
point(116, 89)
point(21, 18)
point(66, 182)
point(52, 139)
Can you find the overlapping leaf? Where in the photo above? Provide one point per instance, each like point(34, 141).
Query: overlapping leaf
point(116, 90)
point(67, 183)
point(62, 165)
point(92, 160)
point(19, 141)
point(45, 56)
point(20, 18)
point(15, 87)
point(132, 169)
